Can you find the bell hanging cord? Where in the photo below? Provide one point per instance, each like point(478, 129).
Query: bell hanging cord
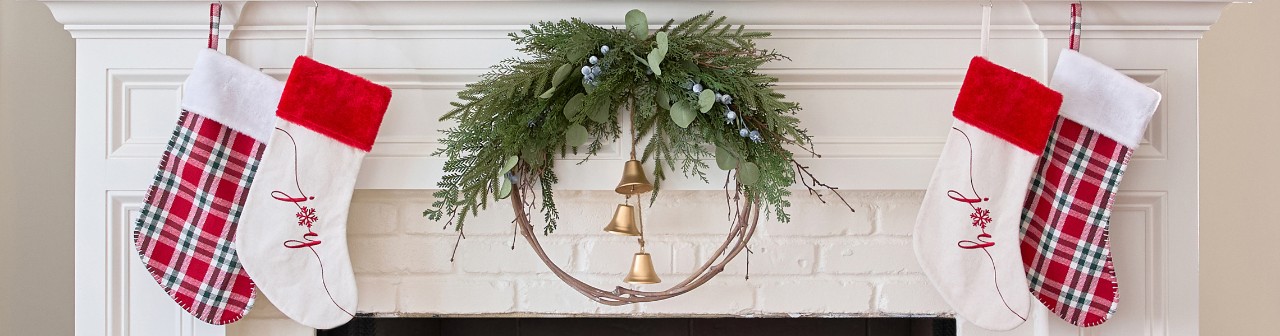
point(639, 221)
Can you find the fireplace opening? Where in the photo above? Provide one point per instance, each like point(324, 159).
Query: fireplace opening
point(561, 326)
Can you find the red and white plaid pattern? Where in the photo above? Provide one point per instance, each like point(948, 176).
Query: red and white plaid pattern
point(1074, 41)
point(186, 232)
point(1064, 224)
point(215, 21)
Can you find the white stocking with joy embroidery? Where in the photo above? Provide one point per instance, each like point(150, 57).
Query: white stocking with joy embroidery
point(293, 236)
point(967, 233)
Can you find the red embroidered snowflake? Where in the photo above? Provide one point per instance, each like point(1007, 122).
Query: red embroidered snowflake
point(307, 216)
point(981, 217)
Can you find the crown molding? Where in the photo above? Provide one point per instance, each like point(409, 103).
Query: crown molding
point(477, 19)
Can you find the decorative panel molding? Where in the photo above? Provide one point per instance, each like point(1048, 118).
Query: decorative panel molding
point(1154, 142)
point(129, 281)
point(1136, 234)
point(144, 104)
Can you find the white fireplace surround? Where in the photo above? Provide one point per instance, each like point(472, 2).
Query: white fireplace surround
point(877, 80)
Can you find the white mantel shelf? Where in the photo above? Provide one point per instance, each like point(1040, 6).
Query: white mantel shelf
point(877, 79)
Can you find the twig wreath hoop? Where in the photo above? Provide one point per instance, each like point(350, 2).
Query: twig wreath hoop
point(692, 90)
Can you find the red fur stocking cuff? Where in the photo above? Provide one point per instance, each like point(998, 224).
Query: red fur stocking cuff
point(334, 103)
point(1007, 104)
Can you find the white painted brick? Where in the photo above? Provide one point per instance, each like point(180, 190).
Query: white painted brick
point(581, 212)
point(684, 257)
point(811, 218)
point(412, 221)
point(869, 257)
point(377, 294)
point(687, 213)
point(493, 220)
point(613, 255)
point(401, 254)
point(550, 295)
point(268, 327)
point(719, 296)
point(494, 255)
point(391, 242)
point(371, 218)
point(770, 257)
point(456, 296)
point(913, 297)
point(899, 217)
point(814, 296)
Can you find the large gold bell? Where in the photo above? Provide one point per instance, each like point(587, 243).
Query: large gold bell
point(633, 180)
point(642, 270)
point(624, 221)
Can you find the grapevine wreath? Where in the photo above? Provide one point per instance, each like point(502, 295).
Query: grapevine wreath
point(692, 89)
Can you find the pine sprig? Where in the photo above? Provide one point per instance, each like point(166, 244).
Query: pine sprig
point(526, 111)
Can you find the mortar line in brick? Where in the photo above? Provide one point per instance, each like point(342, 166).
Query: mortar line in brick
point(877, 220)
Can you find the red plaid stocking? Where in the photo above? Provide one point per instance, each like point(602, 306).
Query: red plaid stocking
point(1065, 217)
point(187, 229)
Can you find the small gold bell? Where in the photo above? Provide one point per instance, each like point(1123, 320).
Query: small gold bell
point(642, 272)
point(624, 221)
point(633, 180)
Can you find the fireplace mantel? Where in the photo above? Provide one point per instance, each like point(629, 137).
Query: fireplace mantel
point(877, 79)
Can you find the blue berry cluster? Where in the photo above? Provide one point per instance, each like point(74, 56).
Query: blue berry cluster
point(730, 116)
point(591, 72)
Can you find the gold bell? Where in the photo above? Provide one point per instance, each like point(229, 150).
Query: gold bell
point(642, 270)
point(624, 221)
point(633, 179)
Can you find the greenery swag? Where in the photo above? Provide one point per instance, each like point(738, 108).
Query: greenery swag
point(693, 89)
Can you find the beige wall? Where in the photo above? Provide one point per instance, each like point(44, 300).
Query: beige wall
point(1240, 124)
point(1240, 131)
point(37, 78)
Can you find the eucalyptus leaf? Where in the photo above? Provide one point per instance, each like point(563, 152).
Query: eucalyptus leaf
point(639, 59)
point(638, 24)
point(561, 74)
point(588, 87)
point(508, 164)
point(575, 135)
point(574, 106)
point(661, 38)
point(655, 60)
point(748, 173)
point(683, 114)
point(600, 113)
point(548, 93)
point(725, 159)
point(664, 99)
point(504, 188)
point(706, 100)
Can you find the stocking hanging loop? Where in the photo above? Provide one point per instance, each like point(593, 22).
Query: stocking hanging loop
point(985, 35)
point(215, 21)
point(309, 40)
point(1073, 41)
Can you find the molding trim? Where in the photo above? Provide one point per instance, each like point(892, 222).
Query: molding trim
point(1150, 19)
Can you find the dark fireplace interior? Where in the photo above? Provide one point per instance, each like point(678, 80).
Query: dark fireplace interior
point(554, 326)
